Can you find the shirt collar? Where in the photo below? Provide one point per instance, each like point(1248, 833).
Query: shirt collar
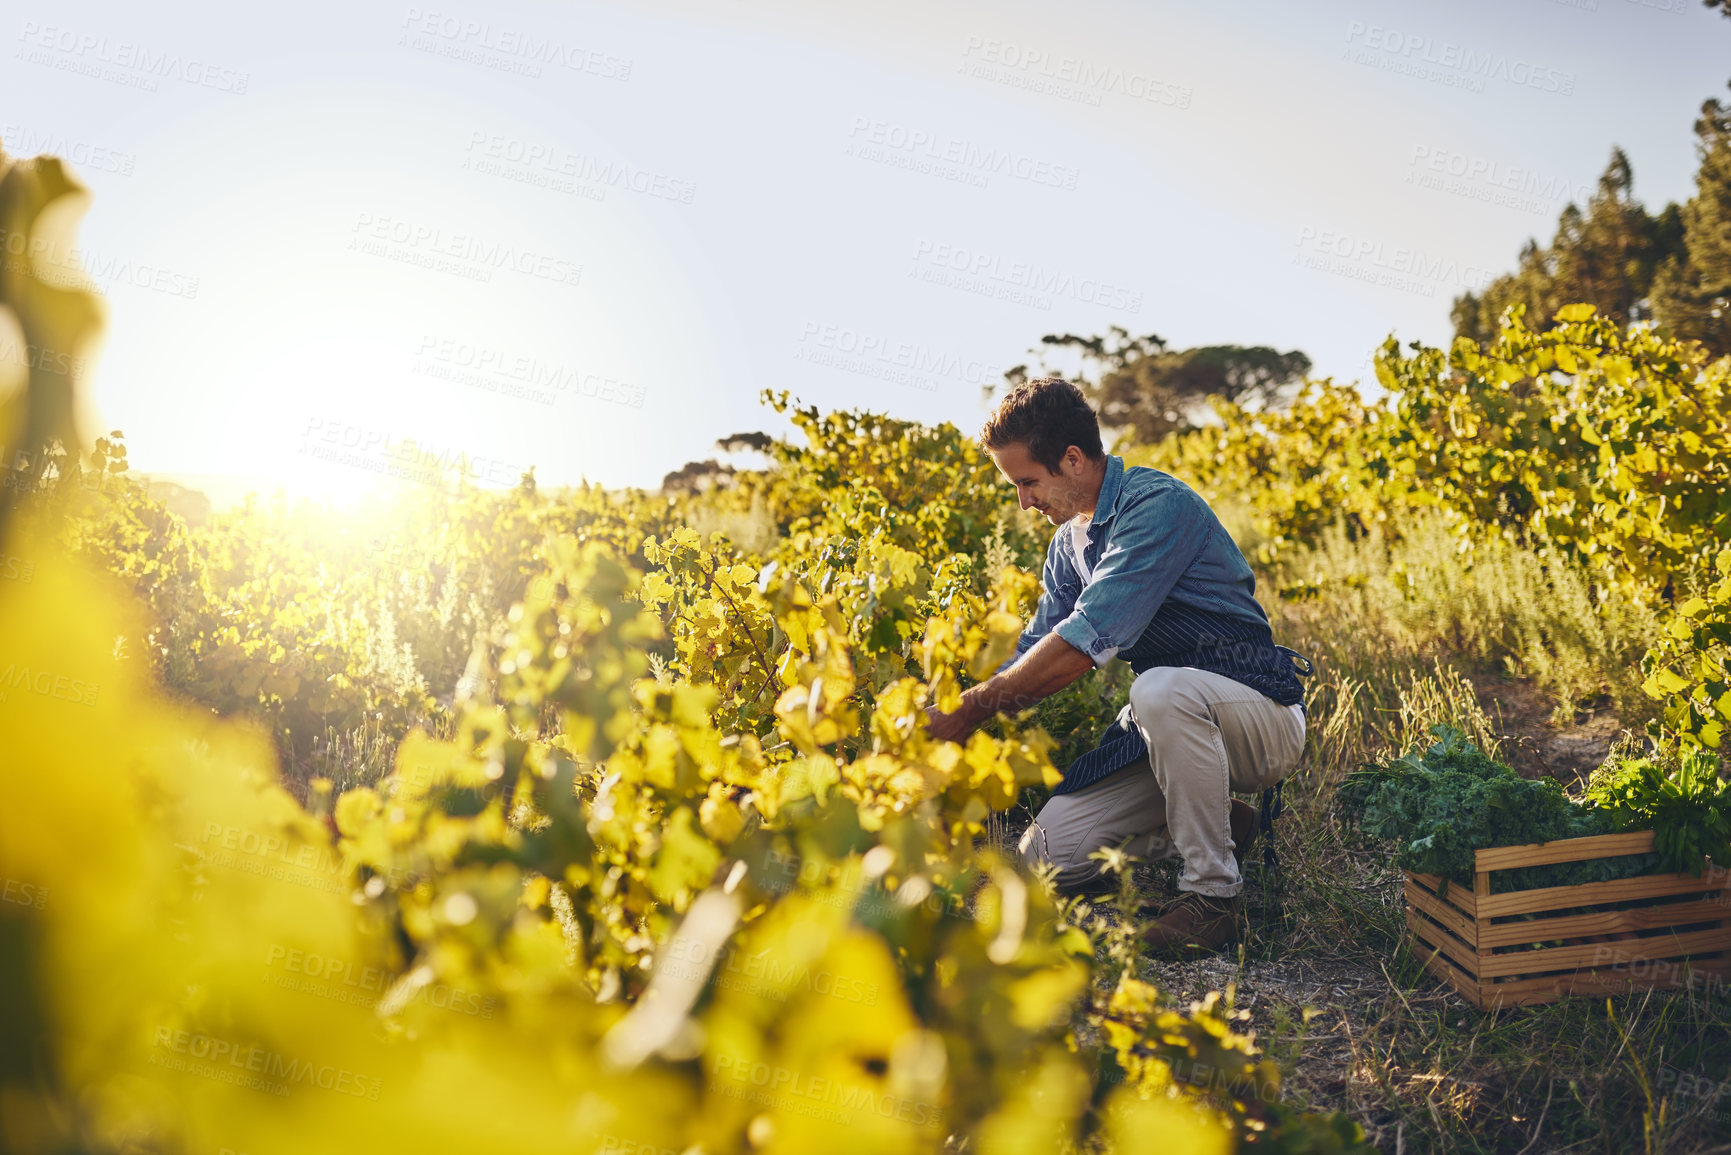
point(1110, 490)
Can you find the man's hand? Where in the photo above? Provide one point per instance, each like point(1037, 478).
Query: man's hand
point(957, 726)
point(1047, 668)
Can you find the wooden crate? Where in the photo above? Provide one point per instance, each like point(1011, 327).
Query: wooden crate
point(1655, 930)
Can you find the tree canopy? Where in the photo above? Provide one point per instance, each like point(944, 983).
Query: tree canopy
point(1672, 268)
point(1146, 390)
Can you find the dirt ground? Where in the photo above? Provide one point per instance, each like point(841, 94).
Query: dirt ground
point(1324, 982)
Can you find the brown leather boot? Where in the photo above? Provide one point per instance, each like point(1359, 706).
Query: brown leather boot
point(1193, 926)
point(1244, 821)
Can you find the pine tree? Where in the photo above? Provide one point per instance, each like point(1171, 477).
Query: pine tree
point(1606, 256)
point(1532, 285)
point(1692, 290)
point(1609, 259)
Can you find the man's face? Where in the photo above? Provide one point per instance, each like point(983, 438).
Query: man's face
point(1060, 496)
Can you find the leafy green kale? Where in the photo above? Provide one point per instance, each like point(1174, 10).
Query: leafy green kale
point(1680, 799)
point(1443, 803)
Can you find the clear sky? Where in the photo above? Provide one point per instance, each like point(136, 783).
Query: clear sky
point(584, 236)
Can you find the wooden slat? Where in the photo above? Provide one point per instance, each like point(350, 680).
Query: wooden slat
point(1426, 935)
point(1442, 931)
point(1627, 950)
point(1458, 897)
point(1438, 964)
point(1592, 893)
point(1620, 959)
point(1563, 850)
point(1427, 901)
point(1533, 992)
point(1430, 932)
point(1593, 982)
point(1602, 922)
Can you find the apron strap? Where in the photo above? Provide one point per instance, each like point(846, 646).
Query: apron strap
point(1272, 805)
point(1305, 666)
point(1272, 802)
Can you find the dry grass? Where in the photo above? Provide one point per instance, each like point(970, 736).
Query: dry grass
point(1533, 663)
point(1357, 1025)
point(1371, 609)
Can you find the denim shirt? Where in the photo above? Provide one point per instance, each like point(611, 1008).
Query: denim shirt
point(1158, 582)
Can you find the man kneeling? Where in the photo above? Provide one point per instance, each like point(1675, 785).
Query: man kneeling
point(1140, 569)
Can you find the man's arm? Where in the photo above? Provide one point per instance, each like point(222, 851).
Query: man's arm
point(1045, 669)
point(1157, 537)
point(1059, 586)
point(1042, 664)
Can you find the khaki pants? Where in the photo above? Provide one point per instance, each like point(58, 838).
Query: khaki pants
point(1207, 736)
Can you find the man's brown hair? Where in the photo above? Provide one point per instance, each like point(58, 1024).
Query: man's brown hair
point(1048, 415)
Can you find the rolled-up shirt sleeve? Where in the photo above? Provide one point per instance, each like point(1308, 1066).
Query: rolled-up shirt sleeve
point(1059, 585)
point(1152, 541)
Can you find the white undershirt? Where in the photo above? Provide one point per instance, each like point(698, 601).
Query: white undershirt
point(1079, 544)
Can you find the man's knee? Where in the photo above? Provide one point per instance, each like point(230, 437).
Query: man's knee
point(1032, 847)
point(1038, 846)
point(1164, 695)
point(1076, 872)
